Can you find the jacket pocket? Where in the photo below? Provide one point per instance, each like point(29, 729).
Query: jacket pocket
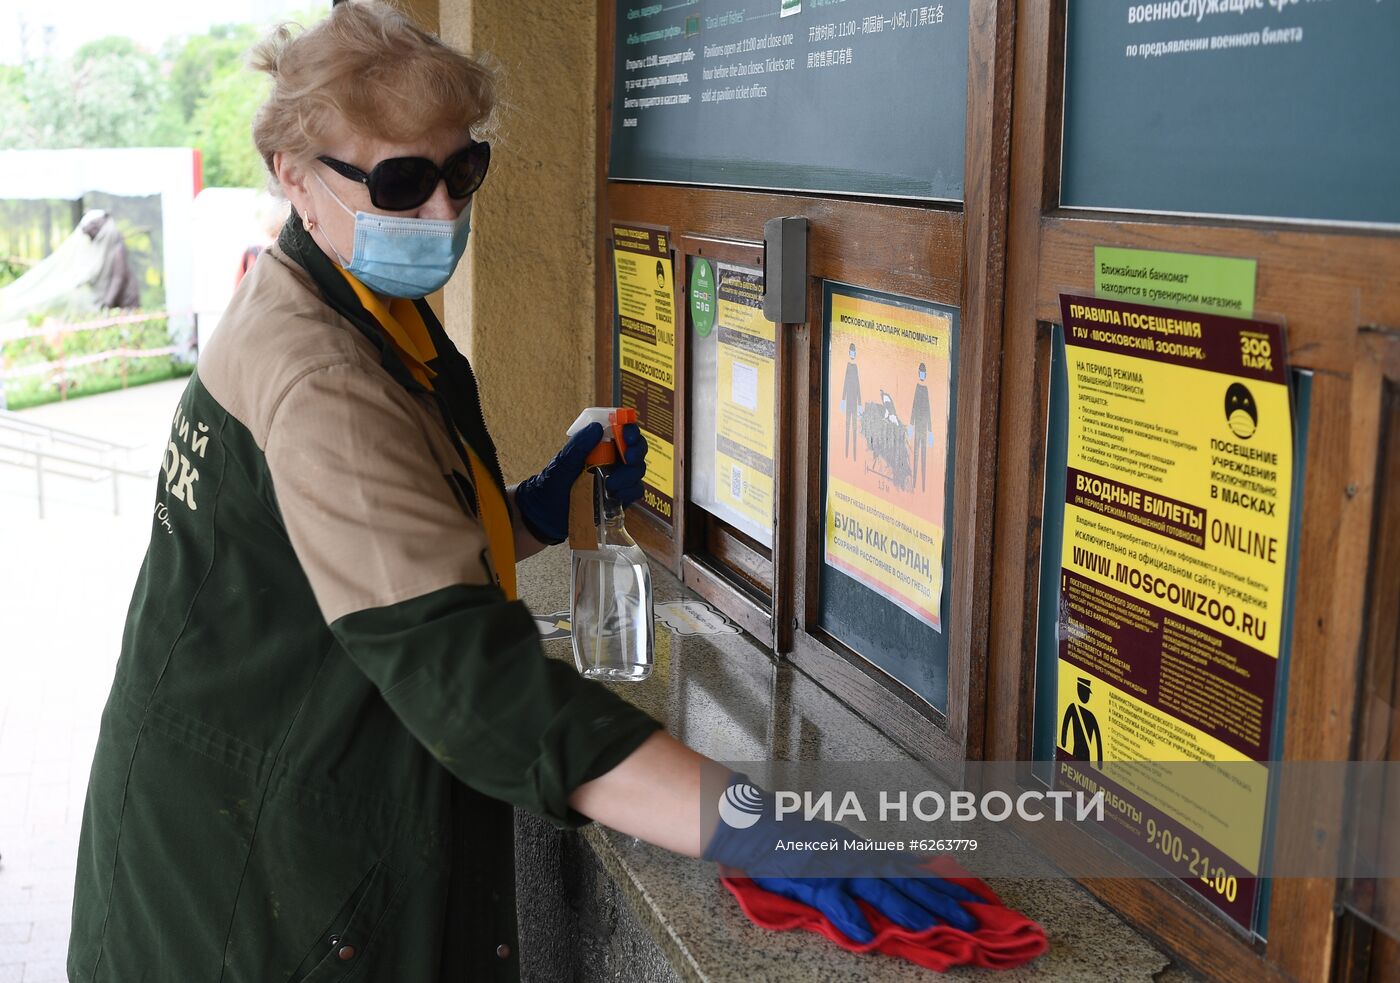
point(347, 940)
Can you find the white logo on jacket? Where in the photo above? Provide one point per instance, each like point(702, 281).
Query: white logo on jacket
point(180, 474)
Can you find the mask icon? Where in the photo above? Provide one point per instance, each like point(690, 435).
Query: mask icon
point(1241, 413)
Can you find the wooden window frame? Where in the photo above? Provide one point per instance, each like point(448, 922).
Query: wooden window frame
point(1367, 953)
point(1336, 288)
point(711, 555)
point(949, 254)
point(1378, 730)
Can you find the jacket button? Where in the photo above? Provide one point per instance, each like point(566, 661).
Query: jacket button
point(346, 952)
point(503, 951)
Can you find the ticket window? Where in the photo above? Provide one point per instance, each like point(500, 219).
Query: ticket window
point(888, 439)
point(883, 439)
point(829, 505)
point(1130, 182)
point(731, 477)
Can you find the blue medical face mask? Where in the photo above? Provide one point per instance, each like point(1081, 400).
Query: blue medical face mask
point(404, 257)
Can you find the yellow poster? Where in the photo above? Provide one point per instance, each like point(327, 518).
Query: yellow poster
point(744, 422)
point(646, 352)
point(888, 402)
point(1172, 586)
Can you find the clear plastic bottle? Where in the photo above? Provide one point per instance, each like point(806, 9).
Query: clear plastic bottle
point(610, 603)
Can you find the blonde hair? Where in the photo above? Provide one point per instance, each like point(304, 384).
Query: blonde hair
point(366, 65)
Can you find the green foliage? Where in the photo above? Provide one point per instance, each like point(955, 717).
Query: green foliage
point(154, 333)
point(89, 380)
point(11, 270)
point(13, 108)
point(143, 256)
point(83, 380)
point(201, 59)
point(113, 44)
point(222, 127)
point(106, 98)
point(197, 92)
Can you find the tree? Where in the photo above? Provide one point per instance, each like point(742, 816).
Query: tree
point(222, 128)
point(106, 95)
point(202, 58)
point(14, 108)
point(112, 93)
point(112, 44)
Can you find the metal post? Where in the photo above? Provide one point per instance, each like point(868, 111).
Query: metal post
point(39, 479)
point(116, 493)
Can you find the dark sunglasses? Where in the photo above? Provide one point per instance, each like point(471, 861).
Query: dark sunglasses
point(400, 183)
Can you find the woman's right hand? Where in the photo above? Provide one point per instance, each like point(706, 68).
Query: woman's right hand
point(896, 886)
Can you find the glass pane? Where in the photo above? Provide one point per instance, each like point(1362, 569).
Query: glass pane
point(733, 362)
point(888, 410)
point(1138, 135)
point(705, 94)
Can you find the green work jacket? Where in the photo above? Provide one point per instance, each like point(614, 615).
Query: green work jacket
point(324, 706)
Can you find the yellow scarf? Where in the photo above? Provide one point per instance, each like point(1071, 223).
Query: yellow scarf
point(404, 328)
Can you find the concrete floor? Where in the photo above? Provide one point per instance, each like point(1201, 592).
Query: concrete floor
point(64, 586)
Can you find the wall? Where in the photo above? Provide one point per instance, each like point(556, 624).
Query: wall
point(425, 14)
point(522, 309)
point(575, 923)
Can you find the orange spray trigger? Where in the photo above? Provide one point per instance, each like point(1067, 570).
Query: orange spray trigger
point(609, 449)
point(619, 418)
point(602, 455)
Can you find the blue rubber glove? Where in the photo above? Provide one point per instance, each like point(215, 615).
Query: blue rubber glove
point(624, 481)
point(914, 902)
point(543, 500)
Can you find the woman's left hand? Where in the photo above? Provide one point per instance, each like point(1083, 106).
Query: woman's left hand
point(624, 481)
point(543, 500)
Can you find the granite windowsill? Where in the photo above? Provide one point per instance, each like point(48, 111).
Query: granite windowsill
point(727, 697)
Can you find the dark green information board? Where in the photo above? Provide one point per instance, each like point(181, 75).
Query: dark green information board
point(1286, 109)
point(847, 96)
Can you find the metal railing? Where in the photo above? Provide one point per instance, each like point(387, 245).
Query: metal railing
point(52, 451)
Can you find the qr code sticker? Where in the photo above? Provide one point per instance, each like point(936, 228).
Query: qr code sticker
point(736, 481)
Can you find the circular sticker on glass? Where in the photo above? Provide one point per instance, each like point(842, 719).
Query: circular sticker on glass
point(702, 297)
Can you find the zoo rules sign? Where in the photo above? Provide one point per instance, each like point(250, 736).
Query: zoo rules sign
point(1178, 494)
point(889, 382)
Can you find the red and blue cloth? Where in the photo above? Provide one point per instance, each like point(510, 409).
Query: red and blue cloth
point(1003, 938)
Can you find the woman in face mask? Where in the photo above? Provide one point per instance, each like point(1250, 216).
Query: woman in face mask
point(328, 697)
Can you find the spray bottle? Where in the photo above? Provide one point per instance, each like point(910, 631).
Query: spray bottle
point(610, 596)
